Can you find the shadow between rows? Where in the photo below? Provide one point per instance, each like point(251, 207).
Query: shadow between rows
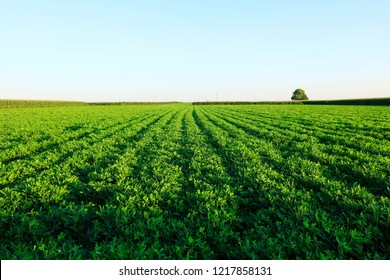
point(108, 190)
point(80, 216)
point(65, 156)
point(327, 138)
point(376, 186)
point(148, 151)
point(324, 200)
point(49, 147)
point(182, 211)
point(254, 206)
point(106, 194)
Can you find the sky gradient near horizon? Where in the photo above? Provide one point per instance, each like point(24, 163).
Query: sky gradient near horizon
point(193, 50)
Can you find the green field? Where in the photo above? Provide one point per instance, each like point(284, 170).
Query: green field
point(177, 181)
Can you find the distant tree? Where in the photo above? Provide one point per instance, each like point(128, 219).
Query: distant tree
point(299, 94)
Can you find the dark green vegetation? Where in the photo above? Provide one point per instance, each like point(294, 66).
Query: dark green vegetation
point(195, 182)
point(299, 94)
point(370, 101)
point(247, 103)
point(354, 102)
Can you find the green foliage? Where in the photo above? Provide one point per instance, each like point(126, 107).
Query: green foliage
point(177, 181)
point(246, 103)
point(10, 103)
point(368, 101)
point(299, 94)
point(15, 103)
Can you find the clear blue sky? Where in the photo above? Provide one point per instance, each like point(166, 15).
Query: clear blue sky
point(193, 50)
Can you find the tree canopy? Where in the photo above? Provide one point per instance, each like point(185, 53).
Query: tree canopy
point(299, 94)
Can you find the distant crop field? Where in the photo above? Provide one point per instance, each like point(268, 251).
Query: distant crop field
point(9, 103)
point(178, 181)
